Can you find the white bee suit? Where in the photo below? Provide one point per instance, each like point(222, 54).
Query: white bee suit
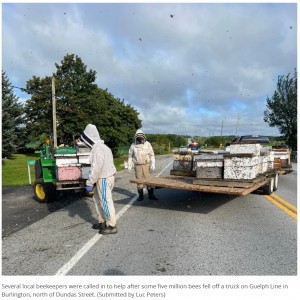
point(102, 174)
point(141, 156)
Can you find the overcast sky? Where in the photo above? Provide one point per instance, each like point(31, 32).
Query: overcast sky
point(196, 69)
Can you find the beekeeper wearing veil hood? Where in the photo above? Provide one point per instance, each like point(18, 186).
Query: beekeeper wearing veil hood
point(141, 157)
point(102, 174)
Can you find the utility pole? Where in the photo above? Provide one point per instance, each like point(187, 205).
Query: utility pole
point(237, 124)
point(222, 129)
point(54, 114)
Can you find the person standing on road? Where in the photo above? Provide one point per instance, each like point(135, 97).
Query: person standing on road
point(102, 173)
point(141, 157)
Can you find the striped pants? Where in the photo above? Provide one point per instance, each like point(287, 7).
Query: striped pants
point(103, 201)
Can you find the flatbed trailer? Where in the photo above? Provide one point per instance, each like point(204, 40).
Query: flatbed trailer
point(268, 182)
point(285, 170)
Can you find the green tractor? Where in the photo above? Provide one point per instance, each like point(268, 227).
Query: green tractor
point(61, 168)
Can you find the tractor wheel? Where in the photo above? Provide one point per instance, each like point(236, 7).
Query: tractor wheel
point(44, 192)
point(38, 170)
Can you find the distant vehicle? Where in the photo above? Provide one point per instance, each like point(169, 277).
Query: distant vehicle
point(194, 147)
point(183, 149)
point(259, 139)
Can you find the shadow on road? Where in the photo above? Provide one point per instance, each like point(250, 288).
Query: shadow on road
point(186, 201)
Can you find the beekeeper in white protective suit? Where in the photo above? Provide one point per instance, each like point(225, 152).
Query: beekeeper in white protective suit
point(102, 174)
point(141, 157)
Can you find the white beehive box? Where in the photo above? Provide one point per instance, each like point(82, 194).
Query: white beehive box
point(281, 155)
point(84, 158)
point(245, 149)
point(209, 163)
point(66, 159)
point(270, 164)
point(263, 164)
point(207, 160)
point(271, 156)
point(241, 167)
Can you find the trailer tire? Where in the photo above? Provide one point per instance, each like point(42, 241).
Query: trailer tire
point(44, 192)
point(276, 178)
point(269, 188)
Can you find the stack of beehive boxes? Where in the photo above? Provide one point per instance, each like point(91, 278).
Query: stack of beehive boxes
point(83, 154)
point(73, 166)
point(282, 157)
point(67, 167)
point(245, 161)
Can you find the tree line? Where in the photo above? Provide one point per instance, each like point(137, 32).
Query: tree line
point(80, 101)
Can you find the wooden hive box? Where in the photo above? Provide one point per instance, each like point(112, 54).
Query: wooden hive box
point(209, 167)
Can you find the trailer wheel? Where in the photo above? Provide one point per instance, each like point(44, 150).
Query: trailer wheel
point(44, 192)
point(269, 188)
point(276, 178)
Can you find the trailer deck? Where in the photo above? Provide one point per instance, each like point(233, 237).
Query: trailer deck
point(221, 186)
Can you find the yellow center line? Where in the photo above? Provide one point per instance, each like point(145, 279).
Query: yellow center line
point(286, 204)
point(289, 212)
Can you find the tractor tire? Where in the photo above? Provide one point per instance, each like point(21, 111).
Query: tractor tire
point(269, 188)
point(38, 170)
point(44, 192)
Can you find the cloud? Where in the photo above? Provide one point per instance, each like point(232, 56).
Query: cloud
point(187, 68)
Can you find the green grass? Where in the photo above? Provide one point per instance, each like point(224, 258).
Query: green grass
point(15, 170)
point(123, 150)
point(119, 162)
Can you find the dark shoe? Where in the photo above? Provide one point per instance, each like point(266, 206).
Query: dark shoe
point(108, 230)
point(98, 226)
point(151, 194)
point(141, 194)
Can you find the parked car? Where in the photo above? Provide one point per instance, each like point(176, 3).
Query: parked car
point(259, 139)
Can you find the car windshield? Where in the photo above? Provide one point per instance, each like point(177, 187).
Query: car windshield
point(252, 138)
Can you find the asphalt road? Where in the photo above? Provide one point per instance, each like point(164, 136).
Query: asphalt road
point(183, 233)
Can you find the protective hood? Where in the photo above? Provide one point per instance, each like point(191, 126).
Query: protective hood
point(90, 135)
point(139, 133)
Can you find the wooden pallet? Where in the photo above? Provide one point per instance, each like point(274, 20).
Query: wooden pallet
point(239, 188)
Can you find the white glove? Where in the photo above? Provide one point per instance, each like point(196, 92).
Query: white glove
point(130, 164)
point(152, 163)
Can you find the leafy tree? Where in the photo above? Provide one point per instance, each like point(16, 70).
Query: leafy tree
point(170, 140)
point(282, 109)
point(79, 101)
point(214, 141)
point(116, 122)
point(12, 112)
